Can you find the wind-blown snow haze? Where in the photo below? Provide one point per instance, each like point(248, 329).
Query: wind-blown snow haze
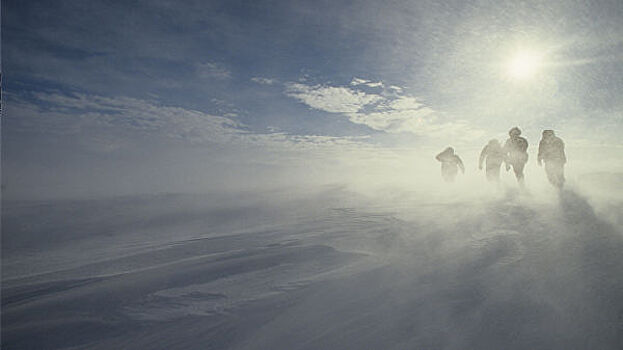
point(270, 175)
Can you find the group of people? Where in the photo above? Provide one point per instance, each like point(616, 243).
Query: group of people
point(513, 154)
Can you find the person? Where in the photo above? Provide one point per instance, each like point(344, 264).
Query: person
point(516, 153)
point(552, 151)
point(450, 164)
point(494, 156)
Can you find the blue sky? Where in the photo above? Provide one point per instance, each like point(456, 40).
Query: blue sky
point(105, 82)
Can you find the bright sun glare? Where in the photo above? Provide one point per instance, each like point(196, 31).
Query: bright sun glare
point(524, 65)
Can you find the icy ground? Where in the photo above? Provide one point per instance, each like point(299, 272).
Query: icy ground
point(324, 270)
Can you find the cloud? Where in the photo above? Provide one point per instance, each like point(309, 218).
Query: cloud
point(390, 111)
point(395, 88)
point(264, 81)
point(57, 113)
point(83, 114)
point(331, 99)
point(358, 81)
point(415, 121)
point(211, 70)
point(406, 103)
point(377, 84)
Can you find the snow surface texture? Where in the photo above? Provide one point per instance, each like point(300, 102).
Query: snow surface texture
point(325, 270)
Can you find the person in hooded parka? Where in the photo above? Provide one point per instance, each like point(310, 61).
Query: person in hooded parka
point(493, 156)
point(552, 152)
point(450, 164)
point(516, 154)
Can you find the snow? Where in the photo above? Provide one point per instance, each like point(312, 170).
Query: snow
point(322, 269)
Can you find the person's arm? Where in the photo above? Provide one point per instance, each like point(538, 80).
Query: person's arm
point(483, 154)
point(539, 158)
point(562, 149)
point(460, 164)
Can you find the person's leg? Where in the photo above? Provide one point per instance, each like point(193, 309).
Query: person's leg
point(496, 173)
point(555, 173)
point(448, 174)
point(549, 171)
point(561, 174)
point(518, 169)
point(493, 172)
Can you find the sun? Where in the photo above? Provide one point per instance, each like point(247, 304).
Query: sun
point(524, 65)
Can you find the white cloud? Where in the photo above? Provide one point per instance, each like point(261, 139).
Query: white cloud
point(264, 81)
point(77, 113)
point(394, 120)
point(391, 112)
point(211, 70)
point(358, 81)
point(395, 88)
point(377, 84)
point(405, 103)
point(331, 99)
point(100, 117)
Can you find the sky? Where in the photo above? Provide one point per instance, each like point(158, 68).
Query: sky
point(109, 97)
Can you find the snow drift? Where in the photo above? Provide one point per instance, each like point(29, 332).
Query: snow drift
point(328, 269)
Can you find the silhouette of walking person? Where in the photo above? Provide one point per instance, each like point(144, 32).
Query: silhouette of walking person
point(450, 164)
point(515, 154)
point(493, 156)
point(552, 152)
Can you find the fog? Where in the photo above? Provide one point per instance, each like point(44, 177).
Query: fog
point(390, 258)
point(263, 175)
point(295, 244)
point(71, 167)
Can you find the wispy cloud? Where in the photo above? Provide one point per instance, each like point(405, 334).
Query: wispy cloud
point(331, 99)
point(369, 83)
point(76, 113)
point(390, 111)
point(264, 81)
point(211, 70)
point(72, 114)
